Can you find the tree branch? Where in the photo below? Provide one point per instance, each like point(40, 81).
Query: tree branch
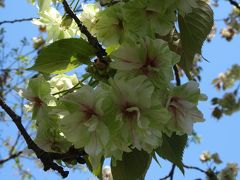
point(46, 158)
point(209, 173)
point(171, 173)
point(195, 168)
point(12, 156)
point(234, 3)
point(177, 77)
point(15, 144)
point(100, 51)
point(15, 21)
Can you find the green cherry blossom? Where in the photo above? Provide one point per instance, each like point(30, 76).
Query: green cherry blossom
point(149, 17)
point(149, 57)
point(53, 21)
point(89, 15)
point(38, 93)
point(140, 121)
point(110, 25)
point(182, 104)
point(62, 82)
point(84, 125)
point(49, 137)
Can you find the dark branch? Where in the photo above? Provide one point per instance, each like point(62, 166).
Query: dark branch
point(209, 173)
point(70, 155)
point(46, 158)
point(235, 3)
point(171, 173)
point(12, 156)
point(42, 155)
point(195, 168)
point(177, 77)
point(100, 51)
point(15, 21)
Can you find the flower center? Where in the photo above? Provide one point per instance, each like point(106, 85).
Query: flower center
point(149, 65)
point(119, 25)
point(175, 107)
point(37, 101)
point(88, 112)
point(131, 112)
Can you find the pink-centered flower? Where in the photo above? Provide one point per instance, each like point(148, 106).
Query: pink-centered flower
point(182, 105)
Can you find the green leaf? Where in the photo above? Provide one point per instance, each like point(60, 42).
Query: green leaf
point(194, 28)
point(134, 165)
point(63, 56)
point(185, 6)
point(155, 158)
point(97, 171)
point(172, 149)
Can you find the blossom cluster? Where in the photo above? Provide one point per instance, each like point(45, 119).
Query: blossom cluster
point(128, 112)
point(137, 104)
point(229, 172)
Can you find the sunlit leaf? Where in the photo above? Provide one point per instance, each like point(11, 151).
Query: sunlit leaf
point(63, 56)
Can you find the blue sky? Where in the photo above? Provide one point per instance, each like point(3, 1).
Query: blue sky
point(217, 136)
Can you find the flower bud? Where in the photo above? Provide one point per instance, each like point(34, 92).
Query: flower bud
point(66, 21)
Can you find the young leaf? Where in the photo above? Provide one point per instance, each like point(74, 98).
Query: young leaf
point(134, 165)
point(172, 149)
point(194, 28)
point(63, 56)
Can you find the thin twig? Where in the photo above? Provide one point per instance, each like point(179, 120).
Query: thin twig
point(100, 51)
point(12, 156)
point(69, 90)
point(171, 173)
point(195, 168)
point(209, 173)
point(15, 144)
point(15, 21)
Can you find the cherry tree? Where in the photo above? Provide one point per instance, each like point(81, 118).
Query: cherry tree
point(128, 104)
